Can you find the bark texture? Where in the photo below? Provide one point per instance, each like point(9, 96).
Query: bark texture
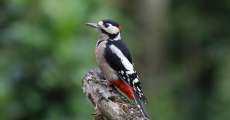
point(108, 102)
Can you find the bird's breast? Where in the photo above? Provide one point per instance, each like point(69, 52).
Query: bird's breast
point(108, 72)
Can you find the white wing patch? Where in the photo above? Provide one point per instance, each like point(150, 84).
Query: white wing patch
point(112, 29)
point(124, 60)
point(135, 81)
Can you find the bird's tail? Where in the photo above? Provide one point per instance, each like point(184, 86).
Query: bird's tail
point(140, 101)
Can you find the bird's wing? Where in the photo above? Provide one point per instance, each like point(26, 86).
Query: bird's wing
point(118, 57)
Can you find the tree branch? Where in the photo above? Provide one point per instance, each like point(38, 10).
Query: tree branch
point(109, 103)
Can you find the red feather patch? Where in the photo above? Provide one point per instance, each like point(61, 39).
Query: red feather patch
point(124, 87)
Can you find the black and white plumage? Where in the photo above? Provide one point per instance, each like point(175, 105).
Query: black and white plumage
point(115, 61)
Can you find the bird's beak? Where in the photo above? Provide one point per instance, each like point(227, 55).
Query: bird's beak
point(94, 25)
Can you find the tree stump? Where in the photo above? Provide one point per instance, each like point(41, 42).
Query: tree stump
point(108, 102)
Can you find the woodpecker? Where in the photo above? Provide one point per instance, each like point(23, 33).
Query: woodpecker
point(115, 62)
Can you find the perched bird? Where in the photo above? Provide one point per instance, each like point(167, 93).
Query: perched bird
point(115, 62)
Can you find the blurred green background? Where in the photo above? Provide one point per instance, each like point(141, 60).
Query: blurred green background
point(181, 50)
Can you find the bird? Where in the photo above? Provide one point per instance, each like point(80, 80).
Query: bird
point(114, 59)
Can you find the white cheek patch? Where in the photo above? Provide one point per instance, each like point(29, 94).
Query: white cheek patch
point(112, 29)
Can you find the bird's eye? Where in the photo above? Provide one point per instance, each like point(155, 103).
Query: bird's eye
point(106, 25)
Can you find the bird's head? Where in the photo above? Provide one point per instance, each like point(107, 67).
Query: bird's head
point(108, 28)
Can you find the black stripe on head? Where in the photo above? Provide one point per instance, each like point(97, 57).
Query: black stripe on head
point(106, 21)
